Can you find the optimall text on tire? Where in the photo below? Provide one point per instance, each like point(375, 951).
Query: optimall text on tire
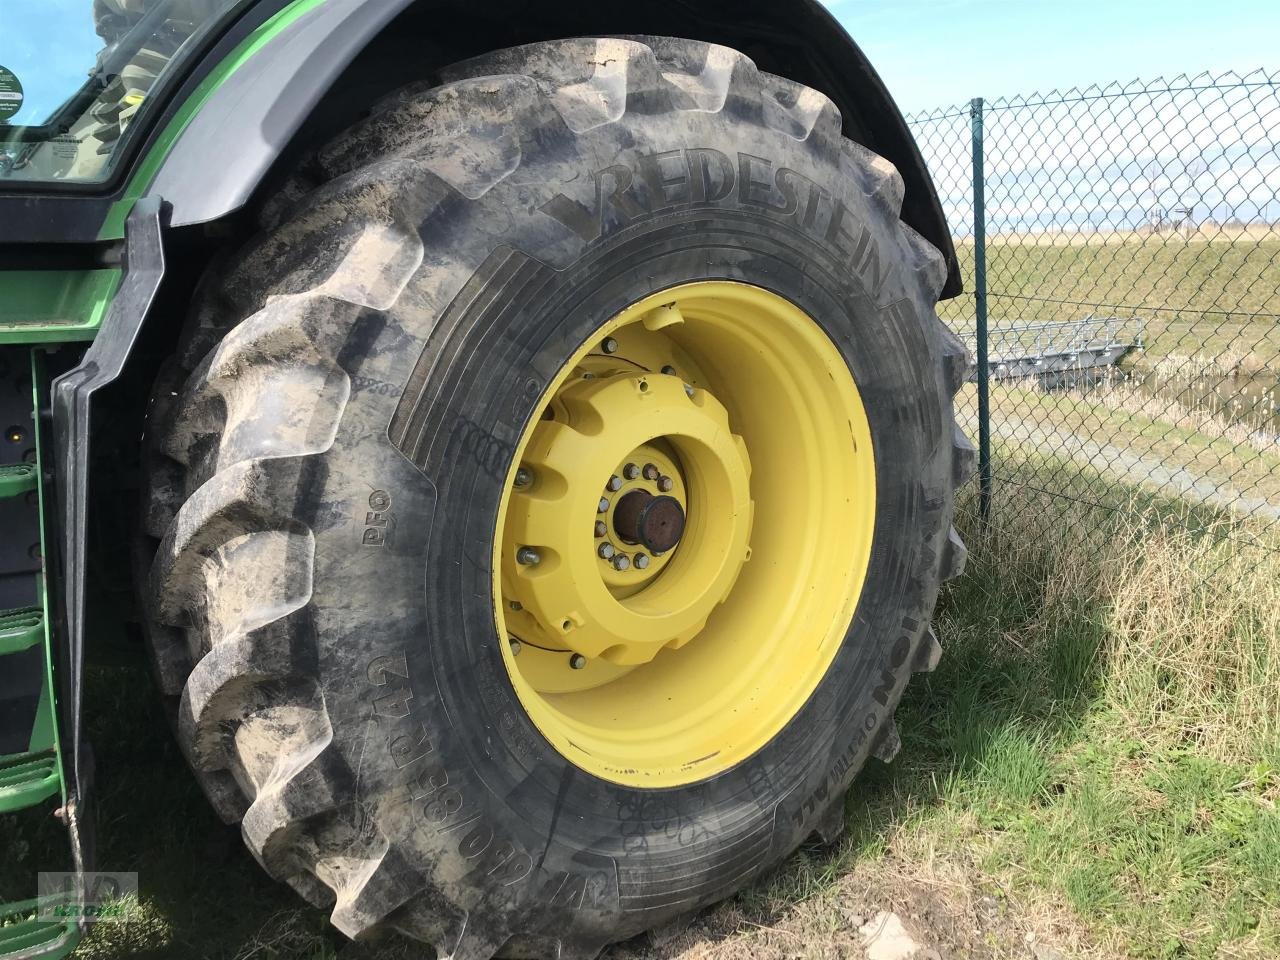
point(550, 505)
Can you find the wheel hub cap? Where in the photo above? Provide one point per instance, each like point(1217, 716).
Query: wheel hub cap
point(655, 523)
point(638, 509)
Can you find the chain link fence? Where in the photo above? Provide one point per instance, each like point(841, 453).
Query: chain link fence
point(1121, 254)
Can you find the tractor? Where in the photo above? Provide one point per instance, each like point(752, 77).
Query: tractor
point(520, 438)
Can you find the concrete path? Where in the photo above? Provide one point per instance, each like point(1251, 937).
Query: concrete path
point(1132, 467)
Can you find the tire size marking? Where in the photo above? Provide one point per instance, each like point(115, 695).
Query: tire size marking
point(438, 802)
point(393, 701)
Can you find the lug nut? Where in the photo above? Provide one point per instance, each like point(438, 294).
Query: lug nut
point(516, 606)
point(516, 647)
point(604, 505)
point(631, 471)
point(578, 661)
point(666, 484)
point(669, 370)
point(688, 391)
point(615, 484)
point(642, 561)
point(606, 551)
point(524, 477)
point(601, 529)
point(610, 345)
point(651, 472)
point(528, 557)
point(621, 562)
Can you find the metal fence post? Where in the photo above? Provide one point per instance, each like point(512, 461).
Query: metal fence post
point(980, 307)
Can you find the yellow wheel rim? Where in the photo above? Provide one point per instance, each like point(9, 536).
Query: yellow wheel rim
point(686, 534)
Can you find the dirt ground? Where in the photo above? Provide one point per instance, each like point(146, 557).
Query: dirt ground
point(944, 912)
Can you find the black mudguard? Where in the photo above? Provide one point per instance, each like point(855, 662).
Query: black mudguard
point(265, 103)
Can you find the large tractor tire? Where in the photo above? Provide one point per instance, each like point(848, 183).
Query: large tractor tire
point(549, 506)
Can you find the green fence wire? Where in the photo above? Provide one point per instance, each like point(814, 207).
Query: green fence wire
point(1120, 247)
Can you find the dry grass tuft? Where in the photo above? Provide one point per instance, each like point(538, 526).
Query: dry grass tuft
point(1253, 429)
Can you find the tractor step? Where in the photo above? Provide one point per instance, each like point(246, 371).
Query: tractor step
point(28, 778)
point(20, 629)
point(17, 479)
point(23, 936)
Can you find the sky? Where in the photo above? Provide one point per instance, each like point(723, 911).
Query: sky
point(50, 46)
point(931, 53)
point(1112, 163)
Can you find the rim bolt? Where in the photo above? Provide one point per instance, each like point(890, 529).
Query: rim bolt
point(604, 505)
point(528, 557)
point(621, 563)
point(601, 529)
point(651, 472)
point(516, 647)
point(688, 391)
point(524, 477)
point(615, 484)
point(631, 471)
point(642, 561)
point(588, 376)
point(578, 661)
point(666, 484)
point(669, 370)
point(610, 345)
point(606, 551)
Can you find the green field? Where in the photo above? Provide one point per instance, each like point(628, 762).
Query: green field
point(1164, 434)
point(1213, 297)
point(1093, 771)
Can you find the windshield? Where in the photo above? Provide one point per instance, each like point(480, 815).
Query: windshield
point(76, 75)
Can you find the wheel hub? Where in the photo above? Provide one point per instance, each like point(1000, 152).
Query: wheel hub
point(632, 522)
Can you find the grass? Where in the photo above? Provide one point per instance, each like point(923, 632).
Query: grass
point(1099, 752)
point(1239, 460)
point(1216, 294)
point(1118, 739)
point(1094, 769)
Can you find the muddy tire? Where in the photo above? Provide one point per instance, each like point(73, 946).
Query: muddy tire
point(330, 447)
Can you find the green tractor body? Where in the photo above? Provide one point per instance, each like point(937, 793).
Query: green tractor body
point(209, 251)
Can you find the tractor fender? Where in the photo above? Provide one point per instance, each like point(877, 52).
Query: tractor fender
point(227, 151)
point(231, 142)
